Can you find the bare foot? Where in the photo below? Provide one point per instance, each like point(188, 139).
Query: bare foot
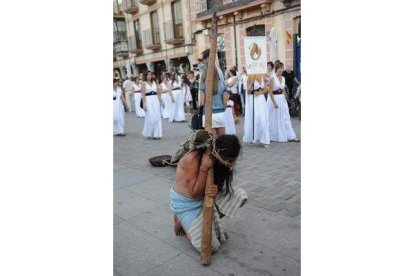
point(226, 235)
point(178, 228)
point(243, 202)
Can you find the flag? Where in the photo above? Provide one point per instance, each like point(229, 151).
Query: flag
point(288, 37)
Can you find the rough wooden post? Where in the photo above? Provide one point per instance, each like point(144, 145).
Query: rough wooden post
point(205, 255)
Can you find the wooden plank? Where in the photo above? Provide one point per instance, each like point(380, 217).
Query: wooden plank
point(205, 255)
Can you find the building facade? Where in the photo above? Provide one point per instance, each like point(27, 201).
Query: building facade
point(171, 34)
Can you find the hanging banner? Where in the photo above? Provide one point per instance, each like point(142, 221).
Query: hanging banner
point(255, 53)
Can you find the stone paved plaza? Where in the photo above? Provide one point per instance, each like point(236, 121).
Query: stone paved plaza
point(264, 236)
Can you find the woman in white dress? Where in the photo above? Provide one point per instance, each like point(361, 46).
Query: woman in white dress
point(177, 109)
point(151, 100)
point(137, 97)
point(187, 94)
point(166, 95)
point(280, 126)
point(230, 126)
point(119, 103)
point(256, 120)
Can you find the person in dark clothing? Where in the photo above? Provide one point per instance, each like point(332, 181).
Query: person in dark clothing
point(290, 78)
point(193, 84)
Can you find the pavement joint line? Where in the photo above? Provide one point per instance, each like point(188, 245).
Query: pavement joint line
point(162, 263)
point(151, 234)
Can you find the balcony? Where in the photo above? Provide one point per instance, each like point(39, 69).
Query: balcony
point(121, 49)
point(120, 36)
point(152, 39)
point(135, 45)
point(147, 2)
point(174, 32)
point(130, 7)
point(226, 8)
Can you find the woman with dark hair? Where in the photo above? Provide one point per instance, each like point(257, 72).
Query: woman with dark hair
point(151, 100)
point(137, 97)
point(177, 108)
point(256, 117)
point(206, 151)
point(119, 104)
point(280, 126)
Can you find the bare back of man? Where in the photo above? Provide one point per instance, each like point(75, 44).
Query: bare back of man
point(191, 178)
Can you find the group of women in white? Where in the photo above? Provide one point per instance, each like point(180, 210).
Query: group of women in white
point(268, 119)
point(154, 102)
point(265, 120)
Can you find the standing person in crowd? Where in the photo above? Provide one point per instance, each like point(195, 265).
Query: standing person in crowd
point(229, 113)
point(280, 125)
point(193, 88)
point(219, 93)
point(242, 88)
point(186, 195)
point(187, 94)
point(119, 104)
point(128, 87)
point(152, 102)
point(166, 95)
point(138, 96)
point(233, 84)
point(290, 79)
point(270, 74)
point(177, 108)
point(256, 117)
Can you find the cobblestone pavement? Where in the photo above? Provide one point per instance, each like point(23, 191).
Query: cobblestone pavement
point(264, 235)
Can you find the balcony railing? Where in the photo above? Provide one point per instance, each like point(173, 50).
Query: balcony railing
point(121, 48)
point(200, 6)
point(130, 6)
point(222, 7)
point(120, 36)
point(152, 38)
point(135, 45)
point(174, 32)
point(147, 2)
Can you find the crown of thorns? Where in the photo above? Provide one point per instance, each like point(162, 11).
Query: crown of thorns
point(203, 139)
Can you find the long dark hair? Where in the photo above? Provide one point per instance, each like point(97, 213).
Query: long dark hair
point(229, 147)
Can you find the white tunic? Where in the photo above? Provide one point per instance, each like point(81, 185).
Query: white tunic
point(166, 99)
point(177, 109)
point(256, 120)
point(280, 126)
point(137, 97)
point(153, 123)
point(230, 126)
point(118, 112)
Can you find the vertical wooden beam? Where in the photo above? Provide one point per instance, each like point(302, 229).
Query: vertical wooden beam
point(205, 255)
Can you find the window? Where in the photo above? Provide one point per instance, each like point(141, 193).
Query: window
point(176, 10)
point(137, 30)
point(256, 30)
point(155, 30)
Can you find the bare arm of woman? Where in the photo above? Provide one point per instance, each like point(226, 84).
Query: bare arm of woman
point(170, 91)
point(202, 98)
point(226, 97)
point(144, 97)
point(159, 92)
point(272, 97)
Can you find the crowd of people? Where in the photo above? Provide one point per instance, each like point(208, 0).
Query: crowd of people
point(262, 100)
point(171, 96)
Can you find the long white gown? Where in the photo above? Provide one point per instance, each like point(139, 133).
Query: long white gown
point(137, 97)
point(230, 126)
point(119, 112)
point(153, 122)
point(177, 108)
point(256, 128)
point(166, 99)
point(280, 126)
